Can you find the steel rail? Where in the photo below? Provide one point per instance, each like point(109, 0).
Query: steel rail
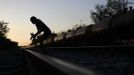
point(64, 66)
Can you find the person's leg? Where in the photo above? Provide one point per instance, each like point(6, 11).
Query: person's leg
point(44, 37)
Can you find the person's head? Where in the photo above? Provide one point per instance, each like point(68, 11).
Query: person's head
point(33, 19)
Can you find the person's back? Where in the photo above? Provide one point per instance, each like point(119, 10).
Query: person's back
point(42, 27)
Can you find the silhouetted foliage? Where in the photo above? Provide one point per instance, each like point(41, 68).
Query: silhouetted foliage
point(3, 29)
point(111, 8)
point(4, 41)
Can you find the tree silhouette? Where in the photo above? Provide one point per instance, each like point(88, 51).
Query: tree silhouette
point(111, 8)
point(4, 41)
point(3, 29)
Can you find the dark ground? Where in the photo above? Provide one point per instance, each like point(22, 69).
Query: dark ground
point(110, 61)
point(12, 62)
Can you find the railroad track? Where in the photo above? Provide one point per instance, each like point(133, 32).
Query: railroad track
point(68, 61)
point(45, 64)
point(110, 60)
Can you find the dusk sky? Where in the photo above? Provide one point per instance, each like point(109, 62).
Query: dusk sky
point(59, 15)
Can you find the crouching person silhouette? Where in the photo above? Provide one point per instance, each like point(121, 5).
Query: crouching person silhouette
point(41, 27)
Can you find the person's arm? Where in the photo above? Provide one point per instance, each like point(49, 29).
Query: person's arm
point(38, 32)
